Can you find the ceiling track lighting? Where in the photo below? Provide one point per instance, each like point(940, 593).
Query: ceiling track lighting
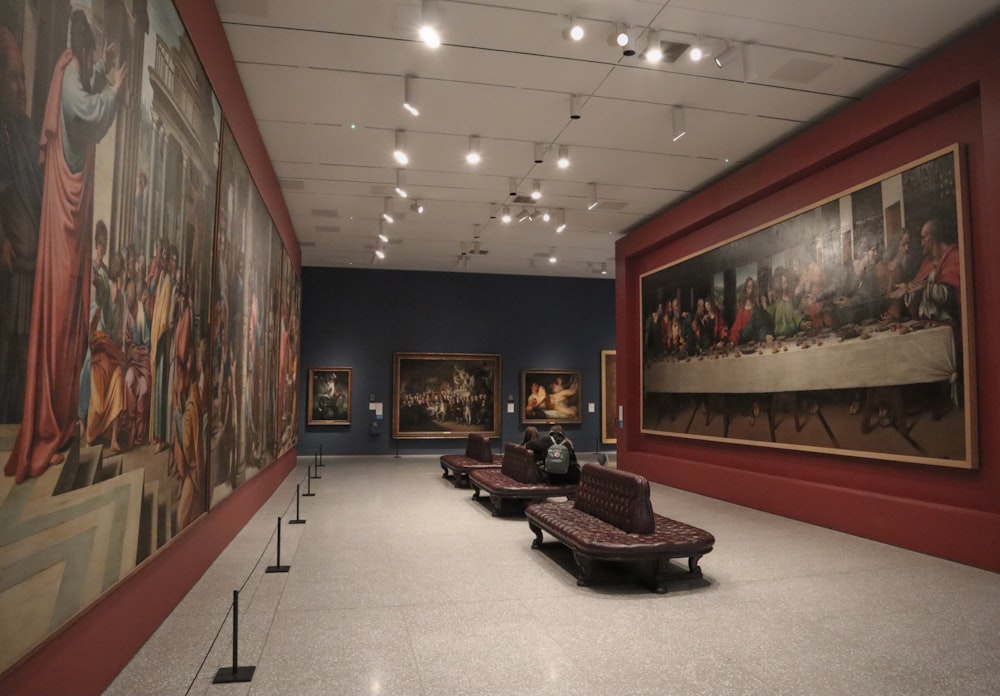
point(387, 210)
point(477, 231)
point(552, 257)
point(539, 153)
point(560, 220)
point(677, 116)
point(524, 215)
point(408, 103)
point(401, 183)
point(697, 50)
point(654, 47)
point(379, 253)
point(512, 187)
point(536, 190)
point(563, 161)
point(472, 156)
point(575, 104)
point(573, 30)
point(546, 215)
point(620, 37)
point(728, 56)
point(399, 153)
point(382, 236)
point(749, 62)
point(429, 31)
point(505, 215)
point(592, 201)
point(417, 207)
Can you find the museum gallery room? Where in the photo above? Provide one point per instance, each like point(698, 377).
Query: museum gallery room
point(449, 347)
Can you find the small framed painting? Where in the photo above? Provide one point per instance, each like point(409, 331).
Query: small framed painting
point(329, 398)
point(551, 396)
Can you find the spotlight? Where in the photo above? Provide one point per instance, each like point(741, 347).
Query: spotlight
point(619, 36)
point(428, 31)
point(417, 207)
point(552, 258)
point(477, 231)
point(408, 102)
point(512, 185)
point(697, 50)
point(575, 102)
point(472, 156)
point(539, 153)
point(536, 190)
point(387, 210)
point(546, 216)
point(677, 115)
point(400, 152)
point(573, 30)
point(604, 268)
point(400, 183)
point(749, 62)
point(560, 220)
point(379, 253)
point(383, 238)
point(524, 215)
point(592, 201)
point(505, 214)
point(654, 47)
point(563, 160)
point(727, 56)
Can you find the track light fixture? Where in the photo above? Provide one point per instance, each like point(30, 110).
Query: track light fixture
point(429, 30)
point(575, 102)
point(512, 185)
point(401, 183)
point(749, 62)
point(524, 215)
point(677, 116)
point(560, 220)
point(384, 238)
point(604, 268)
point(505, 214)
point(563, 161)
point(728, 56)
point(536, 190)
point(539, 153)
point(399, 153)
point(654, 47)
point(477, 231)
point(379, 253)
point(387, 210)
point(697, 50)
point(472, 156)
point(592, 201)
point(546, 216)
point(417, 207)
point(408, 103)
point(574, 30)
point(619, 36)
point(552, 257)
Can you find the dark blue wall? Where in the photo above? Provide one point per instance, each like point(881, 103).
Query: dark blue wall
point(359, 318)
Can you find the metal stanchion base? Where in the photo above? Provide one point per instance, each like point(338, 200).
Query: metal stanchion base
point(296, 521)
point(307, 495)
point(228, 675)
point(277, 569)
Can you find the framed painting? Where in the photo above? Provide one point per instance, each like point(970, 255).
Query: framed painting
point(329, 398)
point(609, 397)
point(445, 395)
point(551, 396)
point(843, 328)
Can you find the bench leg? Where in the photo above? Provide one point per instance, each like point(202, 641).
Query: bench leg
point(586, 566)
point(537, 543)
point(475, 490)
point(497, 505)
point(444, 470)
point(694, 570)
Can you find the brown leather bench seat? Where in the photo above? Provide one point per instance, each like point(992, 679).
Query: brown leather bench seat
point(612, 519)
point(516, 483)
point(478, 455)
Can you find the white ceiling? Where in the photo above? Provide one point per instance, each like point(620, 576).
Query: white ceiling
point(325, 80)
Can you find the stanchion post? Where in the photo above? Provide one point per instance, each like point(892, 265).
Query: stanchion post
point(234, 674)
point(297, 520)
point(308, 483)
point(321, 456)
point(315, 473)
point(277, 567)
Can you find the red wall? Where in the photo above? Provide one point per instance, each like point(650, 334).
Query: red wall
point(952, 513)
point(90, 651)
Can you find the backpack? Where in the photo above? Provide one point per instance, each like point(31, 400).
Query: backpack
point(557, 458)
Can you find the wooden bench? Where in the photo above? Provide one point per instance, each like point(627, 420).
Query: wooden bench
point(612, 519)
point(478, 455)
point(517, 482)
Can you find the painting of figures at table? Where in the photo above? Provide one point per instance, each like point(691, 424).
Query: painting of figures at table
point(843, 328)
point(247, 328)
point(445, 395)
point(551, 396)
point(109, 137)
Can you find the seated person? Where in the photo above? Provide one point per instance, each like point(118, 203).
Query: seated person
point(530, 433)
point(540, 446)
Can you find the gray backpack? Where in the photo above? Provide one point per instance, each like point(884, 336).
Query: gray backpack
point(557, 458)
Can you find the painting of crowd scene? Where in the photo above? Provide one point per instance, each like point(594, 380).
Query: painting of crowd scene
point(247, 332)
point(109, 162)
point(550, 396)
point(842, 328)
point(445, 395)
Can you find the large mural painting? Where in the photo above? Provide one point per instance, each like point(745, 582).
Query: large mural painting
point(109, 169)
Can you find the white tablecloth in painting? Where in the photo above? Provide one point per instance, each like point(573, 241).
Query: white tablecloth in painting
point(887, 358)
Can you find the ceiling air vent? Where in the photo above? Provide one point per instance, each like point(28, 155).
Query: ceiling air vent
point(525, 199)
point(610, 205)
point(292, 184)
point(332, 229)
point(672, 51)
point(328, 213)
point(801, 71)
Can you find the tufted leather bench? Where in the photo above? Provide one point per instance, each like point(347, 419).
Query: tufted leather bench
point(612, 519)
point(516, 483)
point(478, 455)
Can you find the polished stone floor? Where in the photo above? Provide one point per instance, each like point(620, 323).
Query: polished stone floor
point(401, 584)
